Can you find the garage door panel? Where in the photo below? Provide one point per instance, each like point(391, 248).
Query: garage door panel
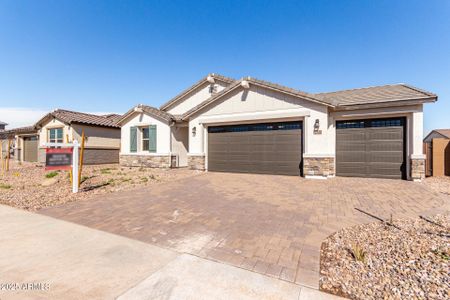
point(370, 151)
point(267, 149)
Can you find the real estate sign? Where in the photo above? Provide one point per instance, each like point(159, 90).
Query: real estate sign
point(58, 158)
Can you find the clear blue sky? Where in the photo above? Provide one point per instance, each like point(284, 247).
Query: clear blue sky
point(107, 56)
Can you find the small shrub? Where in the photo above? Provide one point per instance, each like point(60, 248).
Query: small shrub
point(358, 253)
point(5, 186)
point(105, 171)
point(51, 174)
point(442, 254)
point(144, 179)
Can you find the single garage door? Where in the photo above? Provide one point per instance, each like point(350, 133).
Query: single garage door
point(30, 148)
point(371, 148)
point(268, 148)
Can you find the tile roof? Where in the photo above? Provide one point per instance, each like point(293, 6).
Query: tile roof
point(3, 123)
point(70, 117)
point(150, 110)
point(11, 132)
point(444, 132)
point(193, 87)
point(376, 94)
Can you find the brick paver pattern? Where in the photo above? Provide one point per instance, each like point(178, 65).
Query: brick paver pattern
point(272, 225)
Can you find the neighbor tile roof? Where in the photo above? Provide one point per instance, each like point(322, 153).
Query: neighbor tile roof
point(150, 110)
point(70, 117)
point(3, 123)
point(193, 87)
point(11, 132)
point(444, 132)
point(376, 94)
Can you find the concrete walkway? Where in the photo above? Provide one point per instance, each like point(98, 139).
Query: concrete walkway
point(46, 258)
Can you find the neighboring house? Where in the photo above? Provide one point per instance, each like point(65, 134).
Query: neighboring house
point(102, 133)
point(2, 126)
point(23, 143)
point(254, 126)
point(437, 150)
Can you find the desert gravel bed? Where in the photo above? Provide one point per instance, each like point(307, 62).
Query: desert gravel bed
point(438, 184)
point(378, 261)
point(27, 186)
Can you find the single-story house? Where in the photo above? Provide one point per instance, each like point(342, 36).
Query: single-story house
point(102, 143)
point(22, 142)
point(437, 150)
point(255, 126)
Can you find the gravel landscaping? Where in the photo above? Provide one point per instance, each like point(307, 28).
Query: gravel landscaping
point(438, 184)
point(376, 261)
point(29, 186)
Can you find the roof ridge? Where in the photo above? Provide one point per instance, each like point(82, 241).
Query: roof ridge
point(194, 86)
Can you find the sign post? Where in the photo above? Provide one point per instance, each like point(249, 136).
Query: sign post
point(63, 156)
point(75, 168)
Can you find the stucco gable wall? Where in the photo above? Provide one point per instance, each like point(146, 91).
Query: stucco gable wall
point(194, 98)
point(141, 120)
point(262, 101)
point(54, 123)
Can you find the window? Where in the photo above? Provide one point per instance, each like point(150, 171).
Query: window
point(55, 135)
point(145, 139)
point(371, 123)
point(256, 127)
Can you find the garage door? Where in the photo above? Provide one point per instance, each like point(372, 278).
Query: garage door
point(269, 148)
point(371, 148)
point(30, 148)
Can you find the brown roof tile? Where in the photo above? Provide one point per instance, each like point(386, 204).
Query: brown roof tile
point(150, 110)
point(376, 94)
point(444, 132)
point(193, 87)
point(70, 117)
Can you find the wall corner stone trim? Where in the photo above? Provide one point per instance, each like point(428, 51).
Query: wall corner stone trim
point(196, 162)
point(318, 166)
point(417, 169)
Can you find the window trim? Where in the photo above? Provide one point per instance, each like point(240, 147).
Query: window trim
point(56, 135)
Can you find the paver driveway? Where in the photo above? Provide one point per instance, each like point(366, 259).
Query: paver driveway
point(269, 224)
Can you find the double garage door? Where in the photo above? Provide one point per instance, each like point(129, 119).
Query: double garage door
point(266, 148)
point(364, 148)
point(371, 148)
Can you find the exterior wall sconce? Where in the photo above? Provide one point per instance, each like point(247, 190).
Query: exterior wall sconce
point(317, 127)
point(194, 131)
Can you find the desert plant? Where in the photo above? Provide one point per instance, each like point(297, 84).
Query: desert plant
point(5, 186)
point(358, 253)
point(144, 179)
point(105, 171)
point(51, 174)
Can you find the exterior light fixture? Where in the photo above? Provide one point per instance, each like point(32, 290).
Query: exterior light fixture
point(194, 131)
point(317, 127)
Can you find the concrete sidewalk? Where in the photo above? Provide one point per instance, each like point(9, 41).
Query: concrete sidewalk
point(70, 261)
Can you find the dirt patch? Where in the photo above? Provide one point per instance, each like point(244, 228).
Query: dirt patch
point(29, 186)
point(377, 261)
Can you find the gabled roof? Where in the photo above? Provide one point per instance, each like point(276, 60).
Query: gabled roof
point(12, 132)
point(178, 97)
point(70, 117)
point(377, 94)
point(257, 82)
point(3, 123)
point(444, 132)
point(148, 109)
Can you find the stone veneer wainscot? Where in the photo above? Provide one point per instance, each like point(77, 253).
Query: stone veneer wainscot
point(417, 169)
point(318, 166)
point(196, 162)
point(151, 161)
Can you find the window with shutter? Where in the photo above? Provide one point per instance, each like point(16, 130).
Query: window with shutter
point(152, 138)
point(133, 139)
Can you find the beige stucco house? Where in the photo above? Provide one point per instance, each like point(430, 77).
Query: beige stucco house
point(254, 126)
point(102, 143)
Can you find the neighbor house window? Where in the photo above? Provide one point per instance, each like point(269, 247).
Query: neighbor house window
point(55, 135)
point(145, 139)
